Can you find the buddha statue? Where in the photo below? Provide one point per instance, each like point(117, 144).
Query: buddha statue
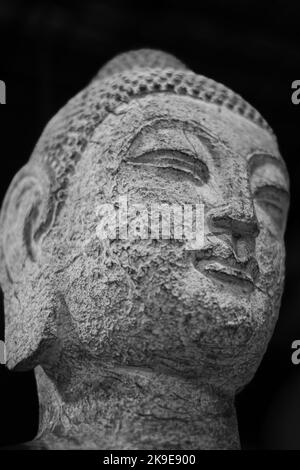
point(137, 342)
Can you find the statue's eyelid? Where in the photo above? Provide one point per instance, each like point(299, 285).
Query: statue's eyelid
point(177, 159)
point(281, 193)
point(161, 151)
point(278, 189)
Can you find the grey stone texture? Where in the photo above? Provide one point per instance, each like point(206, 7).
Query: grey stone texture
point(142, 343)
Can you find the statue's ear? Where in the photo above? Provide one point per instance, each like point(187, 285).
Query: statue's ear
point(26, 215)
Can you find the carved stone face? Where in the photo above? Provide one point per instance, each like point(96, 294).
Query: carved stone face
point(208, 312)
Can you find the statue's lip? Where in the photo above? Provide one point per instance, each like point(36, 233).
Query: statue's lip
point(229, 269)
point(228, 272)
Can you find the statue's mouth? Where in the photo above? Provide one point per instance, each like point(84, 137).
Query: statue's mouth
point(228, 274)
point(243, 274)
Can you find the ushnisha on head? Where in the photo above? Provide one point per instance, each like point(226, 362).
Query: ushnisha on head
point(149, 129)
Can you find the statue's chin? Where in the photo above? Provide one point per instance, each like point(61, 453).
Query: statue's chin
point(182, 322)
point(219, 338)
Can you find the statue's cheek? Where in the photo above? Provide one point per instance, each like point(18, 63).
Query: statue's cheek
point(270, 254)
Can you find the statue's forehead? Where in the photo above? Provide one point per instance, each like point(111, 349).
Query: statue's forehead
point(177, 112)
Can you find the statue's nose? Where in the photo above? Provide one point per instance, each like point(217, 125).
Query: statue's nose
point(236, 212)
point(237, 217)
point(236, 224)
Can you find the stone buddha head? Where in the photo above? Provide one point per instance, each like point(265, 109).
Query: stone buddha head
point(110, 316)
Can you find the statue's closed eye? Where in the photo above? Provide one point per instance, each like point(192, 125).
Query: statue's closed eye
point(175, 160)
point(274, 201)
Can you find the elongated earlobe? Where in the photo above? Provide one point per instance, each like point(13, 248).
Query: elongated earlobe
point(28, 318)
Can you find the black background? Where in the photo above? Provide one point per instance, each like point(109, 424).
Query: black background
point(50, 50)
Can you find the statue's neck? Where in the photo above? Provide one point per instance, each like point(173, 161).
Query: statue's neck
point(134, 409)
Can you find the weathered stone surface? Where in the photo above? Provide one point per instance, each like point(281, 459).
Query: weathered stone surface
point(141, 343)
